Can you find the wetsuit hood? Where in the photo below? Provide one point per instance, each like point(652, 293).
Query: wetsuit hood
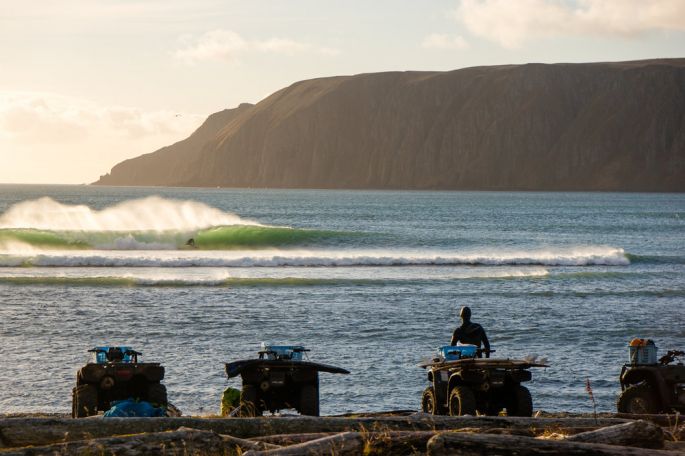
point(465, 314)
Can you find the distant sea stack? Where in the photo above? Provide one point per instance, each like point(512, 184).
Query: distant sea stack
point(589, 126)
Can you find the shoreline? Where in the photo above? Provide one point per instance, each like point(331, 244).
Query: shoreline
point(417, 433)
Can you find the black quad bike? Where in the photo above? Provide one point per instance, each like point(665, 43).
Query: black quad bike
point(279, 379)
point(115, 374)
point(653, 388)
point(470, 386)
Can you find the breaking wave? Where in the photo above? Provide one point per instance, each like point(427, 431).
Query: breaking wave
point(214, 238)
point(151, 223)
point(379, 278)
point(590, 256)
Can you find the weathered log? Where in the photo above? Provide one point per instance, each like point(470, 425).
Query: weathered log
point(640, 433)
point(291, 439)
point(675, 446)
point(345, 443)
point(182, 442)
point(505, 431)
point(353, 443)
point(463, 444)
point(396, 442)
point(16, 432)
point(661, 420)
point(404, 412)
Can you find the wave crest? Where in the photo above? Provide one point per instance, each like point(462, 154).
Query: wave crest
point(589, 256)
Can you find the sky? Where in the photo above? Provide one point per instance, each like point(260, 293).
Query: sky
point(85, 84)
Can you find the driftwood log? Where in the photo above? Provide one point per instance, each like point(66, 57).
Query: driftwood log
point(354, 443)
point(182, 443)
point(636, 434)
point(291, 439)
point(662, 420)
point(17, 432)
point(343, 444)
point(463, 444)
point(294, 439)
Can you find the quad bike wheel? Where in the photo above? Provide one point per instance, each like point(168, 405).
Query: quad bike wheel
point(84, 401)
point(638, 399)
point(429, 403)
point(309, 400)
point(156, 395)
point(519, 402)
point(248, 401)
point(462, 401)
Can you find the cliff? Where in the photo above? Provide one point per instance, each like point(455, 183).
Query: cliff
point(594, 126)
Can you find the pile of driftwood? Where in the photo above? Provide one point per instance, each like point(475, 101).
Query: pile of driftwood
point(360, 435)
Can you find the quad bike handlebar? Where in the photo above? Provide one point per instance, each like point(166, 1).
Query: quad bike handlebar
point(482, 351)
point(670, 356)
point(127, 352)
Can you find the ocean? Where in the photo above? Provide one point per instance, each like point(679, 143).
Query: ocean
point(371, 281)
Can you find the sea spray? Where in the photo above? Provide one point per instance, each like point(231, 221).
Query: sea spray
point(152, 213)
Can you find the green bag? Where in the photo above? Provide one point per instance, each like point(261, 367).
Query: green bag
point(230, 399)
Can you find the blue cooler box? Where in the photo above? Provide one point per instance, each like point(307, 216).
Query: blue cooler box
point(453, 353)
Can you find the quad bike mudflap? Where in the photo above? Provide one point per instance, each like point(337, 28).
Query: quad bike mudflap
point(113, 375)
point(470, 386)
point(279, 379)
point(648, 386)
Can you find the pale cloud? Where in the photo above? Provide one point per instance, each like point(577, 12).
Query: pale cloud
point(109, 9)
point(54, 118)
point(444, 41)
point(47, 137)
point(229, 46)
point(512, 23)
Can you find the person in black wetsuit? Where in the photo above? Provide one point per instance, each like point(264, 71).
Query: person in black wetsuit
point(470, 333)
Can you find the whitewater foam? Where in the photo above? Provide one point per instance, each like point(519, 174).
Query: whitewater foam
point(585, 256)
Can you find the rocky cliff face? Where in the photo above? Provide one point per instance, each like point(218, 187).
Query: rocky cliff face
point(597, 126)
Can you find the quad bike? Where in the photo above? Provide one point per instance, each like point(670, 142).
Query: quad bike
point(279, 379)
point(653, 387)
point(115, 374)
point(462, 384)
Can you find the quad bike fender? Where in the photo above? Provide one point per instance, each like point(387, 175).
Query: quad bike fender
point(238, 367)
point(94, 373)
point(440, 382)
point(457, 378)
point(520, 376)
point(633, 376)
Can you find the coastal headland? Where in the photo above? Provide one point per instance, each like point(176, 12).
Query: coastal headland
point(549, 127)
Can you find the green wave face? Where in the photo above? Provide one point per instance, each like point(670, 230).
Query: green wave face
point(43, 239)
point(241, 236)
point(217, 238)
